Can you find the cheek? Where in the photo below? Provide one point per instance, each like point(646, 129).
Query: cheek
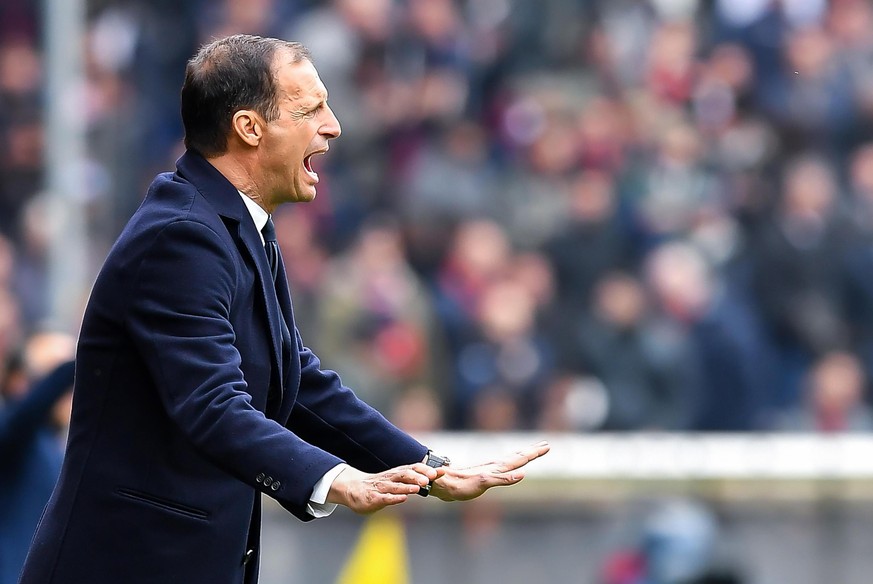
point(294, 150)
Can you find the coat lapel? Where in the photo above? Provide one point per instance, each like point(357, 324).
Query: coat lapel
point(252, 242)
point(226, 200)
point(291, 372)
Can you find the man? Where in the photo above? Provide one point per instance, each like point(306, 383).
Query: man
point(194, 392)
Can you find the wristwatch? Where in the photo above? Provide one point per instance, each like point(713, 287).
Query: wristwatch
point(433, 461)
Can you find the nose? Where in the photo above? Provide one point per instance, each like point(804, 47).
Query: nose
point(331, 128)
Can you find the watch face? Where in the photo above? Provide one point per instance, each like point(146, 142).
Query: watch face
point(435, 461)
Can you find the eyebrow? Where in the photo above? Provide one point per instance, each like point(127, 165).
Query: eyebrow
point(320, 96)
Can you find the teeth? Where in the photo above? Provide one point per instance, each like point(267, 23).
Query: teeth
point(307, 166)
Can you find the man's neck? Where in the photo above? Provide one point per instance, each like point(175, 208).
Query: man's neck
point(239, 175)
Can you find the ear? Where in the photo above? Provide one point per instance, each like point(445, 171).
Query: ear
point(248, 126)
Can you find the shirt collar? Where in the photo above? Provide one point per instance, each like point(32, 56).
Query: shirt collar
point(259, 215)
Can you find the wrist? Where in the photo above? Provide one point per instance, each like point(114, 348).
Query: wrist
point(322, 488)
point(339, 488)
point(434, 461)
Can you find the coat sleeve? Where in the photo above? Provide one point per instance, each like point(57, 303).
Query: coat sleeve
point(328, 414)
point(179, 319)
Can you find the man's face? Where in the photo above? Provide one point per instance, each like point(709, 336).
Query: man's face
point(303, 128)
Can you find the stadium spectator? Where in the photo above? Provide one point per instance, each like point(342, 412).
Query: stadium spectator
point(34, 417)
point(834, 398)
point(615, 343)
point(375, 319)
point(708, 338)
point(799, 279)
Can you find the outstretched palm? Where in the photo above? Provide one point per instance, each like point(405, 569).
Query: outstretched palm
point(463, 484)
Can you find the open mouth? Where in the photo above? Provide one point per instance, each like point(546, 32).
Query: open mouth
point(307, 164)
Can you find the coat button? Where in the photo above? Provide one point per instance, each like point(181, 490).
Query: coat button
point(247, 557)
point(275, 486)
point(268, 481)
point(260, 478)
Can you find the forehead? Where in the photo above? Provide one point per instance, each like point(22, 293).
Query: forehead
point(298, 81)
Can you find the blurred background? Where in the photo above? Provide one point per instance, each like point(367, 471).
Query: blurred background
point(585, 219)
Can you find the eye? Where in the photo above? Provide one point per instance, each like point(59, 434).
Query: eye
point(310, 113)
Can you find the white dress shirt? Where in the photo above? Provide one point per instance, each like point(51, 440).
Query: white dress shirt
point(317, 506)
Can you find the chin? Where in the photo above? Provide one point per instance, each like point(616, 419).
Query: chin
point(305, 197)
point(302, 194)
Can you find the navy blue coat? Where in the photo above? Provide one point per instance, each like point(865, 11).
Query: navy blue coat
point(172, 438)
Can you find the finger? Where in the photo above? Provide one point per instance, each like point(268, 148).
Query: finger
point(499, 479)
point(393, 499)
point(388, 486)
point(415, 474)
point(380, 502)
point(524, 456)
point(429, 472)
point(510, 478)
point(540, 448)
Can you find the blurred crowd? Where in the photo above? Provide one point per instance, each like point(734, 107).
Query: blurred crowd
point(565, 215)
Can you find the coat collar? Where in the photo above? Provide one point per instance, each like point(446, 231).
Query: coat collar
point(226, 200)
point(213, 185)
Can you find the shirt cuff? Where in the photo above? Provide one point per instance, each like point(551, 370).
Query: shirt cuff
point(317, 506)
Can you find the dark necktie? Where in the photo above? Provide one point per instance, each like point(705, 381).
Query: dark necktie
point(271, 246)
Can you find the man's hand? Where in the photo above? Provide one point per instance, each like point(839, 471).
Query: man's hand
point(367, 493)
point(463, 484)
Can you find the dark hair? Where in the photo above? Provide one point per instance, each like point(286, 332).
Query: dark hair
point(225, 76)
